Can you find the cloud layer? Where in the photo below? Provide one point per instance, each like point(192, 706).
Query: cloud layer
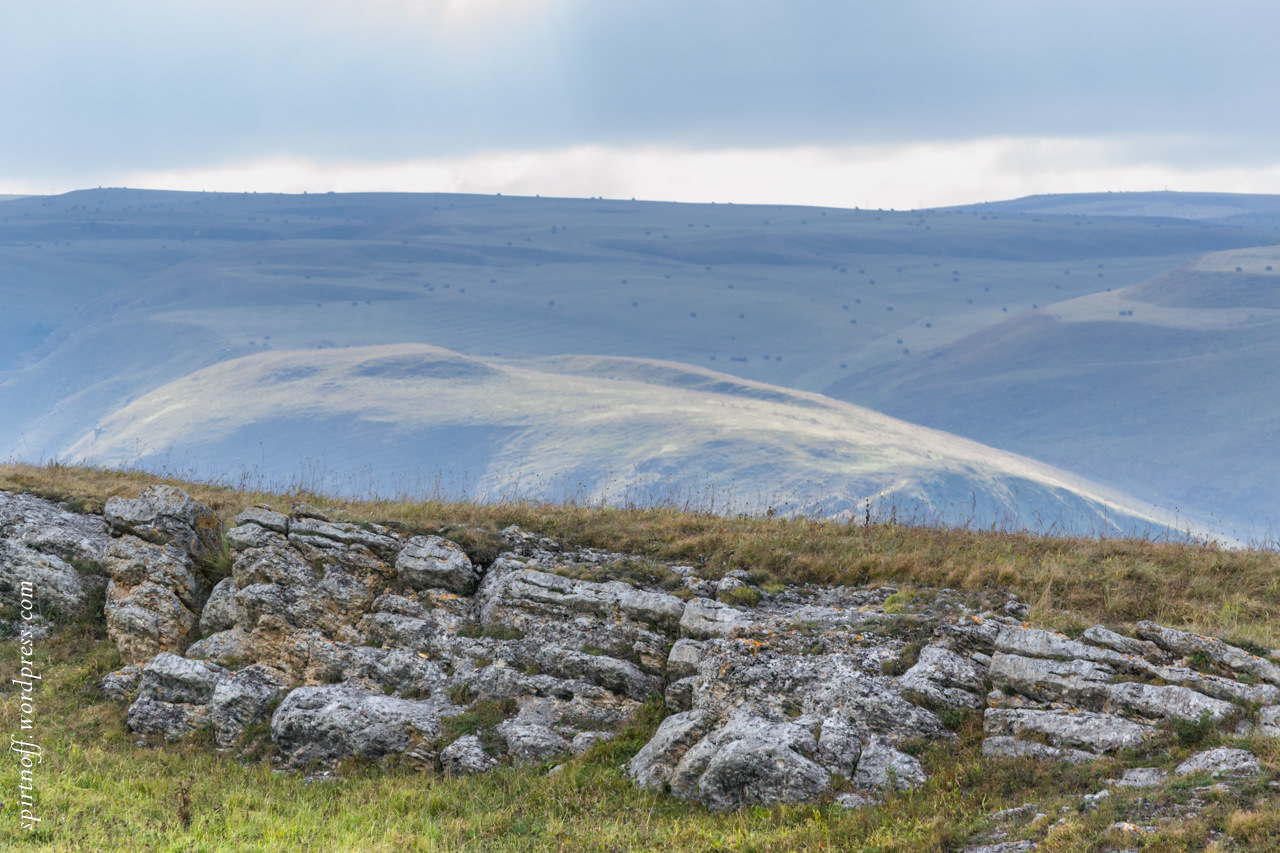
point(92, 93)
point(907, 176)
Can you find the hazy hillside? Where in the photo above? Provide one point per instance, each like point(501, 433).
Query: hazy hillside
point(112, 294)
point(594, 428)
point(1224, 209)
point(1169, 388)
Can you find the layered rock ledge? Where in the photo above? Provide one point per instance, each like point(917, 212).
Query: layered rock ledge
point(336, 639)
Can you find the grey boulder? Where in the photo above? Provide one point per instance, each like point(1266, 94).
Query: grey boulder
point(326, 723)
point(165, 515)
point(429, 562)
point(245, 698)
point(1223, 761)
point(465, 757)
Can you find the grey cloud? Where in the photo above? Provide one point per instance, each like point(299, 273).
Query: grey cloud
point(87, 87)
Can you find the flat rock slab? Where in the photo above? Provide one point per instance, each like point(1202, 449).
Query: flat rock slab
point(334, 721)
point(1142, 777)
point(1224, 761)
point(1081, 729)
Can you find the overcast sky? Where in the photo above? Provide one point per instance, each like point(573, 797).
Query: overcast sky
point(896, 103)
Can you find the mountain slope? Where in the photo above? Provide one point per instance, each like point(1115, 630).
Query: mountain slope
point(1240, 210)
point(1169, 388)
point(113, 293)
point(395, 417)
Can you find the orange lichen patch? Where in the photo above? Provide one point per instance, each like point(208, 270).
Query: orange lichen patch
point(755, 645)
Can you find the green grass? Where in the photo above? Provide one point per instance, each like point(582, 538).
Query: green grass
point(100, 791)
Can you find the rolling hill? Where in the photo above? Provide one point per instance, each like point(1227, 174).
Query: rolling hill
point(1240, 210)
point(1169, 388)
point(412, 418)
point(110, 295)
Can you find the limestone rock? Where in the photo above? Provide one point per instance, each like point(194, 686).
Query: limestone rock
point(1224, 654)
point(839, 745)
point(680, 693)
point(335, 535)
point(616, 617)
point(532, 590)
point(654, 764)
point(1080, 729)
point(1038, 643)
point(1217, 686)
point(969, 635)
point(1223, 761)
point(1166, 702)
point(1003, 746)
point(1082, 683)
point(429, 562)
point(1142, 777)
point(751, 757)
point(147, 619)
point(583, 741)
point(703, 619)
point(170, 678)
point(330, 722)
point(226, 648)
point(152, 599)
point(171, 719)
point(761, 770)
point(264, 517)
point(465, 757)
point(883, 767)
point(619, 676)
point(942, 677)
point(245, 698)
point(684, 659)
point(530, 743)
point(1269, 721)
point(56, 587)
point(853, 800)
point(1107, 639)
point(245, 536)
point(220, 611)
point(165, 515)
point(57, 552)
point(121, 683)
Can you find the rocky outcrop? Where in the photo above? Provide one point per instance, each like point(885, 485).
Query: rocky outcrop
point(173, 695)
point(1106, 692)
point(165, 515)
point(55, 552)
point(158, 585)
point(339, 639)
point(154, 598)
point(325, 723)
point(429, 562)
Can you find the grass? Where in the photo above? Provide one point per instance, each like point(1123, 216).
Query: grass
point(99, 789)
point(1070, 582)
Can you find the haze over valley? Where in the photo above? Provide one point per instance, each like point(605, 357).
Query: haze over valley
point(1109, 336)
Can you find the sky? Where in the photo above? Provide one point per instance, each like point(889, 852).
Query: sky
point(908, 103)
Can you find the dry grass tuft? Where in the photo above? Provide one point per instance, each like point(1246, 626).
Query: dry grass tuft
point(1069, 581)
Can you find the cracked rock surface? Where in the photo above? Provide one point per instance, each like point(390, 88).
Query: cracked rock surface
point(338, 639)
